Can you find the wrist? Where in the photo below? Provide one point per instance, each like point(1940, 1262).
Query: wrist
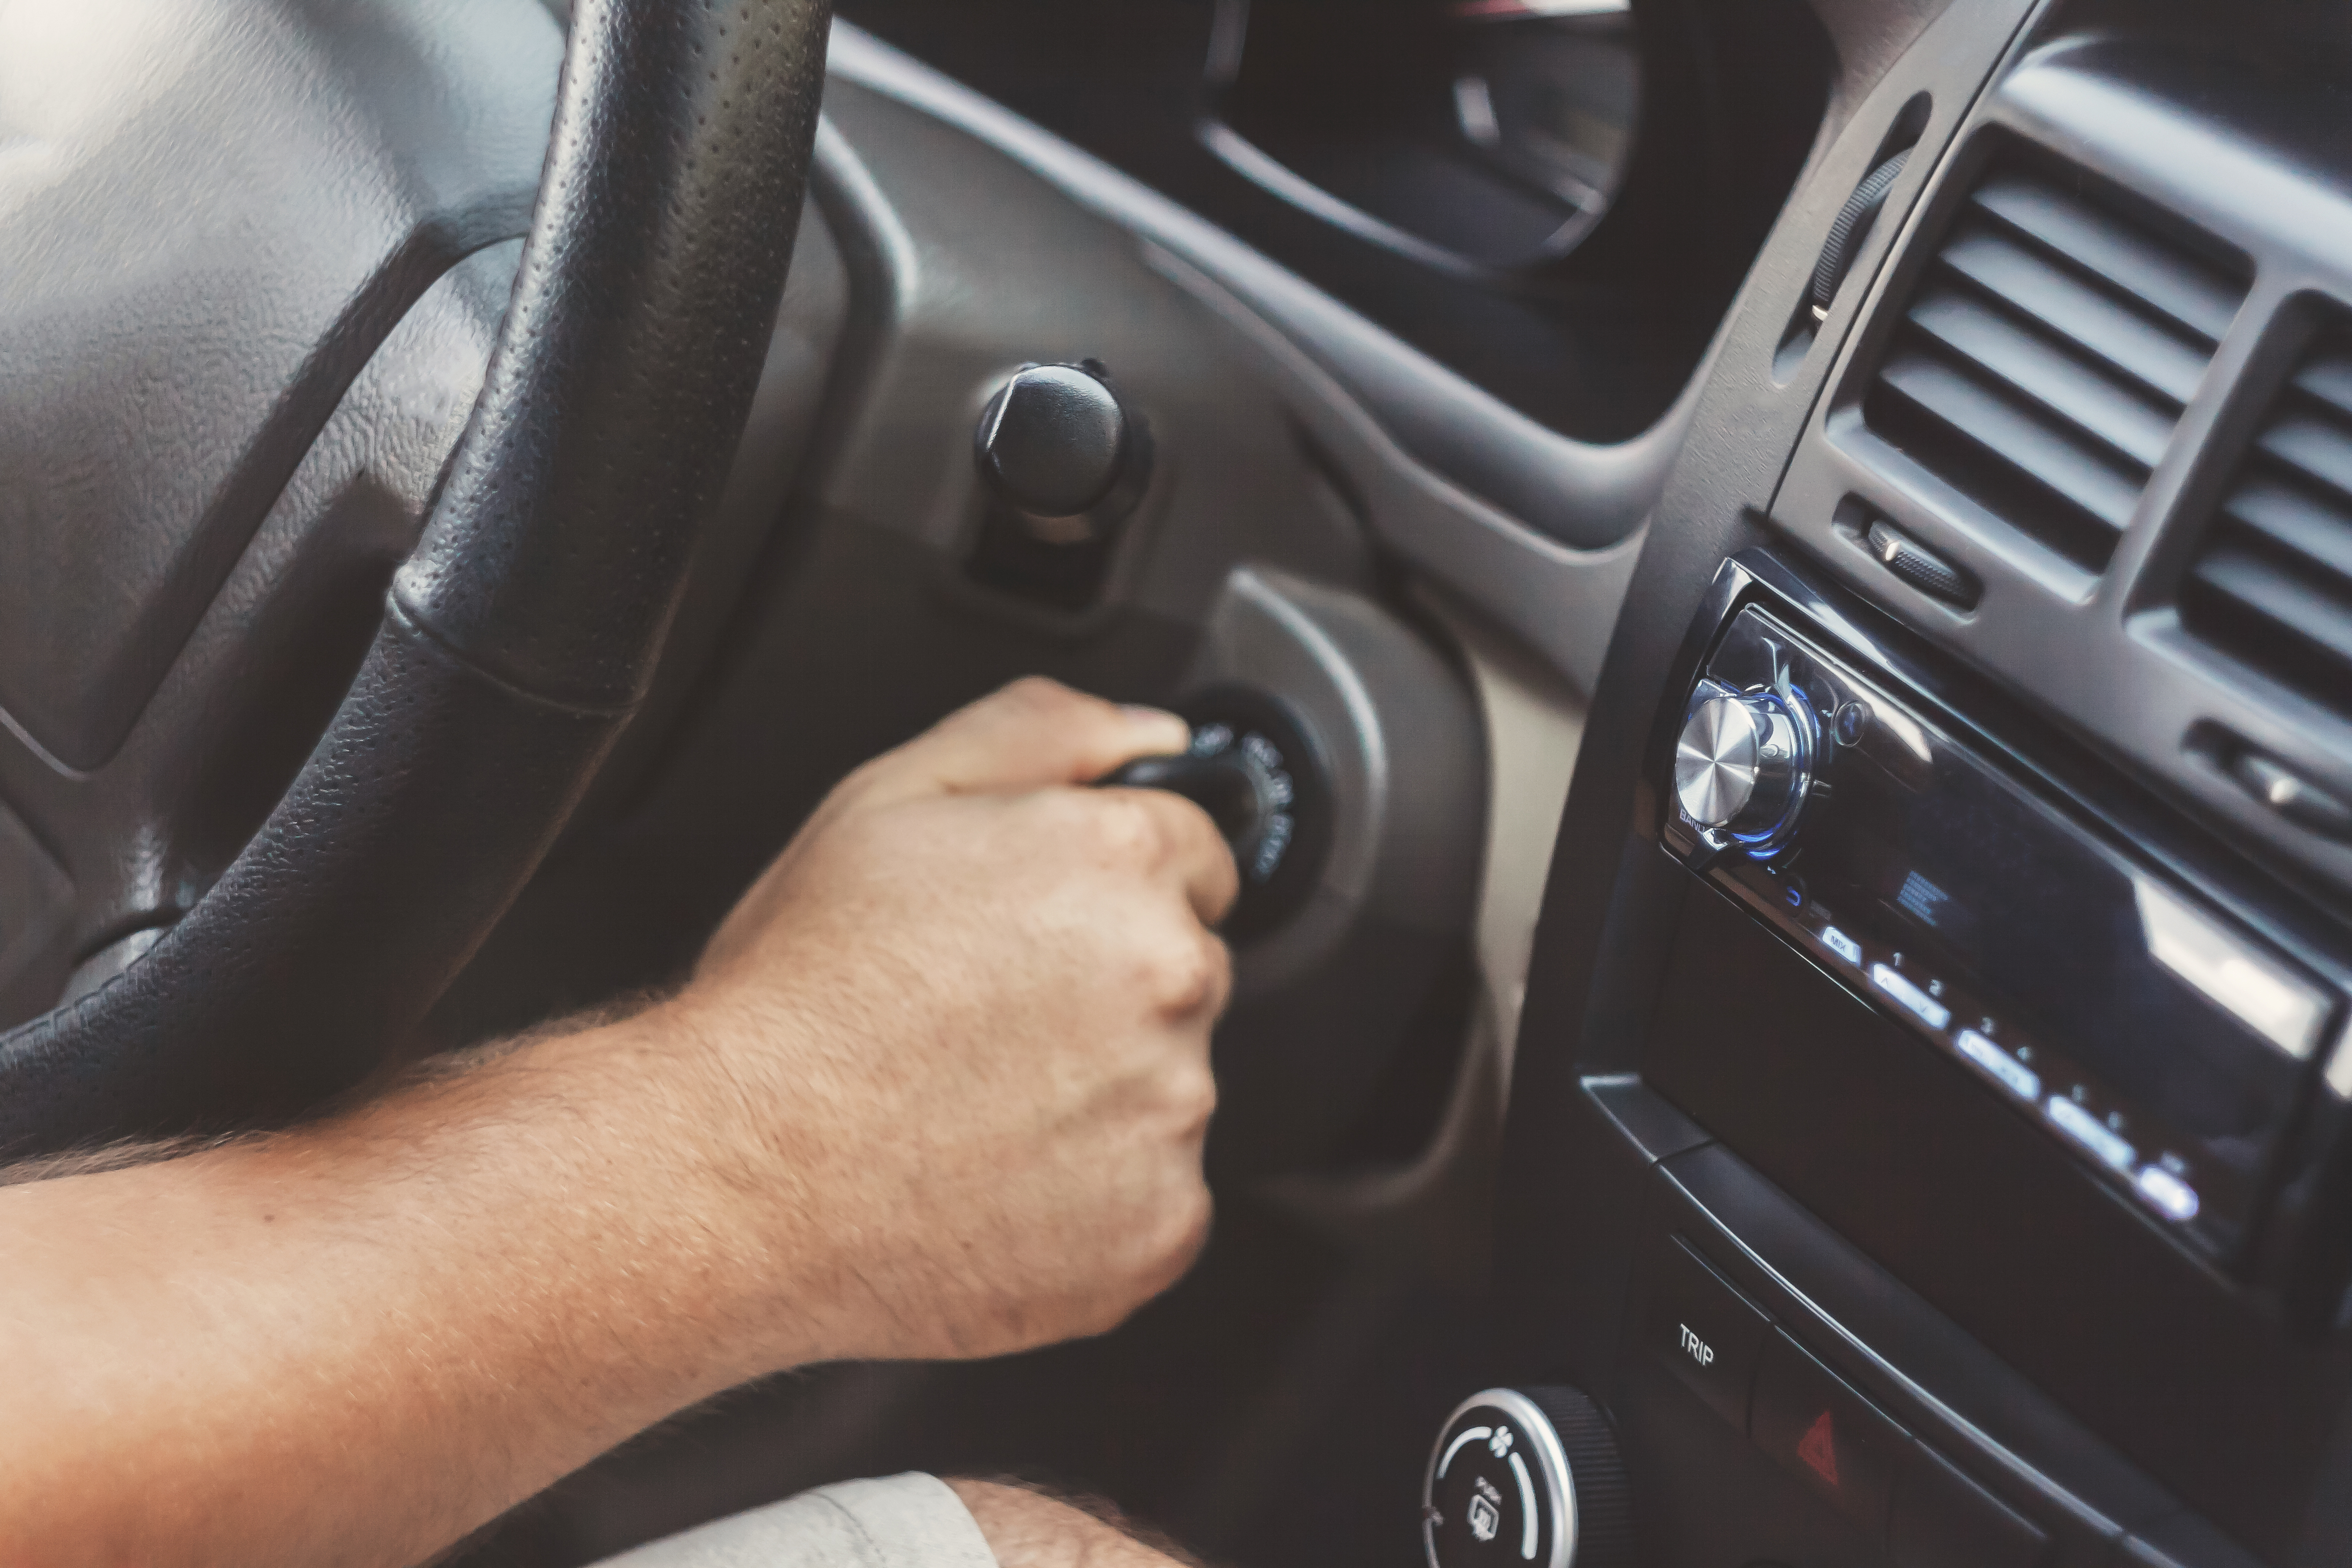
point(749, 1278)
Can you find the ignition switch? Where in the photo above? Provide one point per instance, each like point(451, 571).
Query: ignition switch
point(1350, 938)
point(1253, 769)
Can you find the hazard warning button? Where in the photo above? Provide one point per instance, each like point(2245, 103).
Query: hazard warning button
point(1832, 1437)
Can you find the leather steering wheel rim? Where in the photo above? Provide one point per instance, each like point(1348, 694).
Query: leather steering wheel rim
point(523, 630)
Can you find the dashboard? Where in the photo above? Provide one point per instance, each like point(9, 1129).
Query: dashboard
point(1552, 200)
point(1861, 1148)
point(1776, 575)
point(1921, 437)
point(1987, 1085)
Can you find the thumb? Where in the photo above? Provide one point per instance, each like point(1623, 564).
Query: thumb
point(1035, 734)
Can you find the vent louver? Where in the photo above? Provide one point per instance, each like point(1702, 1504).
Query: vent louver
point(2272, 583)
point(2046, 355)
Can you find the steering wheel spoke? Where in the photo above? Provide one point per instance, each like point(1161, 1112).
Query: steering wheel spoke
point(334, 791)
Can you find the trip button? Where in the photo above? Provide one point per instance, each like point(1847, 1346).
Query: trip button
point(1824, 1432)
point(1702, 1329)
point(1943, 1519)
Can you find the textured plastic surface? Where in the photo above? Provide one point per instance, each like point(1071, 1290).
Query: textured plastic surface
point(1851, 227)
point(1294, 146)
point(2075, 398)
point(227, 208)
point(524, 627)
point(1403, 770)
point(2271, 583)
point(1922, 568)
point(1604, 1493)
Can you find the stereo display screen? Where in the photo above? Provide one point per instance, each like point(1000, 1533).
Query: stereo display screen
point(2165, 1046)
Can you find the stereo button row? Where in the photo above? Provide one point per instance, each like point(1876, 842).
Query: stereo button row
point(1928, 1010)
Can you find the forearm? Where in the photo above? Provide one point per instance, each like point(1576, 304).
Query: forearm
point(939, 1088)
point(354, 1342)
point(1028, 1528)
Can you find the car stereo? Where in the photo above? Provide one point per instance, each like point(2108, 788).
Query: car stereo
point(2170, 1048)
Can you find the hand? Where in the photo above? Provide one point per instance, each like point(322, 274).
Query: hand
point(963, 1028)
point(939, 1088)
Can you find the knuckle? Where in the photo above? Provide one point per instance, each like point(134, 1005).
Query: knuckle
point(1196, 1097)
point(1125, 828)
point(1032, 689)
point(1190, 973)
point(1225, 876)
point(1188, 1222)
point(1206, 859)
point(1067, 831)
point(1220, 960)
point(869, 775)
point(1038, 694)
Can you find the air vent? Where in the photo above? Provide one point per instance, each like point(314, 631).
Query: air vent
point(2047, 356)
point(2271, 585)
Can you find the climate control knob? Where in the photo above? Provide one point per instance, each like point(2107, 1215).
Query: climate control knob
point(1744, 763)
point(1527, 1477)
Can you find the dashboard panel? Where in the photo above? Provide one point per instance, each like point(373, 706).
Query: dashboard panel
point(2120, 313)
point(1944, 1163)
point(1555, 202)
point(1486, 142)
point(1947, 1168)
point(1852, 1073)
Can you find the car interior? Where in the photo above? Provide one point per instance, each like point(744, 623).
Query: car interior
point(1764, 589)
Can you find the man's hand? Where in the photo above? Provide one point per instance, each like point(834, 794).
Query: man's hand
point(963, 1027)
point(938, 1089)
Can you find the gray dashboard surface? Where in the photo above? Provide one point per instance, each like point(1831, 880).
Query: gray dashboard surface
point(1540, 531)
point(163, 230)
point(1549, 557)
point(2253, 162)
point(1585, 495)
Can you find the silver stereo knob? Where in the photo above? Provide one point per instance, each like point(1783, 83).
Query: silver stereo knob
point(1743, 764)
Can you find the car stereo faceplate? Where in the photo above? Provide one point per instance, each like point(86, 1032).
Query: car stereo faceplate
point(2170, 1049)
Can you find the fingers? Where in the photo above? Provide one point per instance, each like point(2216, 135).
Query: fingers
point(1035, 734)
point(1174, 839)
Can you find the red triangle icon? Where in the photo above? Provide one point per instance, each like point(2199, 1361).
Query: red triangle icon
point(1819, 1448)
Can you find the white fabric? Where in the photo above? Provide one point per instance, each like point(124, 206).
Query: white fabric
point(905, 1521)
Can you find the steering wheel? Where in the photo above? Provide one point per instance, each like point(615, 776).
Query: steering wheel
point(521, 632)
